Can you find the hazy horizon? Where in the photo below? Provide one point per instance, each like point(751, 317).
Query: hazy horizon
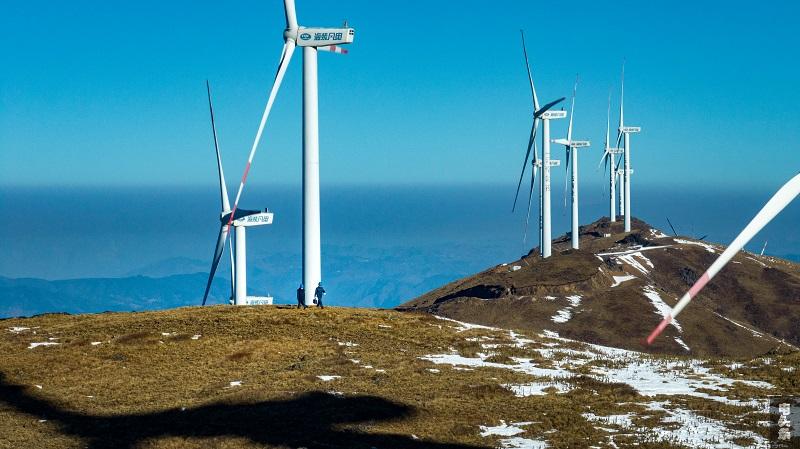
point(107, 232)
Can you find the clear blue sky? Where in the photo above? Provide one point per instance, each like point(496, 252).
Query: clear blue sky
point(112, 93)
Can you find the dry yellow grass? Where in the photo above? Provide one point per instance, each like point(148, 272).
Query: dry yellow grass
point(235, 377)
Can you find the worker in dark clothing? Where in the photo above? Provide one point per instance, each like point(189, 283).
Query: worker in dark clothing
point(301, 297)
point(319, 292)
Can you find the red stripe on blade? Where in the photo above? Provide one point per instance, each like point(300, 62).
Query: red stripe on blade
point(660, 328)
point(699, 285)
point(246, 171)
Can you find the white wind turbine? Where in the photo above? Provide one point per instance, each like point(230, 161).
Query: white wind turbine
point(240, 220)
point(571, 146)
point(544, 114)
point(610, 155)
point(625, 132)
point(774, 206)
point(311, 39)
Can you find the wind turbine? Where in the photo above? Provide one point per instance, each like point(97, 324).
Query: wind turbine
point(240, 220)
point(311, 39)
point(625, 132)
point(545, 115)
point(610, 155)
point(571, 146)
point(774, 206)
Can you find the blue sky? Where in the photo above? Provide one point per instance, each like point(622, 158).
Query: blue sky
point(110, 93)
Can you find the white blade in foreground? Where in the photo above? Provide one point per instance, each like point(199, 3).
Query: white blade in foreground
point(286, 57)
point(777, 203)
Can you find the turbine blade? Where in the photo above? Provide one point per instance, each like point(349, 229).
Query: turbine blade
point(774, 206)
point(286, 57)
point(546, 107)
point(530, 76)
point(622, 98)
point(572, 109)
point(608, 120)
point(672, 227)
point(223, 190)
point(223, 235)
point(291, 14)
point(604, 160)
point(530, 200)
point(333, 49)
point(531, 141)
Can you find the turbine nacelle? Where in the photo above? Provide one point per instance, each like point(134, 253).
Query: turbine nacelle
point(580, 144)
point(320, 37)
point(572, 143)
point(259, 219)
point(243, 217)
point(553, 115)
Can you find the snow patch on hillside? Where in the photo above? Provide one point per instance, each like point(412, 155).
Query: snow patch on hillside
point(504, 429)
point(620, 279)
point(327, 378)
point(461, 326)
point(662, 308)
point(565, 314)
point(565, 360)
point(656, 234)
point(708, 247)
point(43, 343)
point(754, 332)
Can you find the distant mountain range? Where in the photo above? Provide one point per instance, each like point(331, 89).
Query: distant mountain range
point(353, 277)
point(28, 296)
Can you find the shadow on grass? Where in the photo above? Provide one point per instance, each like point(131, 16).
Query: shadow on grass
point(312, 420)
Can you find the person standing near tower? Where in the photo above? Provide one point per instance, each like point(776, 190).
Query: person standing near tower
point(301, 292)
point(319, 292)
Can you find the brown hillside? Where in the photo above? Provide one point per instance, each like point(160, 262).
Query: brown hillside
point(615, 289)
point(278, 378)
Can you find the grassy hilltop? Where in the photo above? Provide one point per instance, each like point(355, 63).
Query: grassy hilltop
point(275, 377)
point(616, 288)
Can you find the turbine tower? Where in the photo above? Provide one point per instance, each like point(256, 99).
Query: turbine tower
point(312, 40)
point(544, 114)
point(610, 155)
point(571, 146)
point(625, 133)
point(241, 219)
point(621, 183)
